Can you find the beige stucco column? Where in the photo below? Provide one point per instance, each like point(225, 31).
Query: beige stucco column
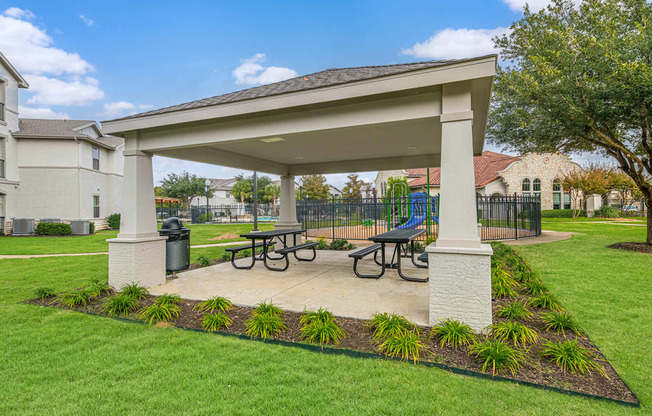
point(459, 264)
point(287, 219)
point(138, 253)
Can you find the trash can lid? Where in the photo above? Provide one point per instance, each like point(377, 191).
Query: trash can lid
point(173, 226)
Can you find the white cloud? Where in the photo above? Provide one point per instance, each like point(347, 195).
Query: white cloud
point(74, 91)
point(251, 72)
point(457, 43)
point(17, 13)
point(30, 49)
point(117, 108)
point(87, 20)
point(535, 5)
point(30, 112)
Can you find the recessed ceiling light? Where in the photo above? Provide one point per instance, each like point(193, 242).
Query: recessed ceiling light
point(273, 139)
point(298, 157)
point(412, 148)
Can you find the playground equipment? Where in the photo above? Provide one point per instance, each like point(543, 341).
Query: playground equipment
point(398, 205)
point(420, 207)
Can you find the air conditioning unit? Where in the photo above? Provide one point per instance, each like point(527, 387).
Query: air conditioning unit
point(80, 227)
point(50, 220)
point(23, 226)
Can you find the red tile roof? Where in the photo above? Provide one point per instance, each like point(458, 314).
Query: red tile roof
point(486, 169)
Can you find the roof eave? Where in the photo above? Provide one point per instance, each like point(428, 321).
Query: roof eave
point(14, 72)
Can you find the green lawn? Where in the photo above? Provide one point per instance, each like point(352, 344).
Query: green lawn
point(199, 234)
point(61, 362)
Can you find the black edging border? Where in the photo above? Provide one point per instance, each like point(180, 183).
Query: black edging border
point(360, 354)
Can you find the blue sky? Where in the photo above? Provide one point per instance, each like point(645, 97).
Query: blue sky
point(102, 60)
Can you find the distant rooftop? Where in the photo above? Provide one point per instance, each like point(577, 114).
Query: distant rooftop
point(42, 128)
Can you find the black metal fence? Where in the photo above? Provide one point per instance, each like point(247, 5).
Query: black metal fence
point(232, 213)
point(505, 217)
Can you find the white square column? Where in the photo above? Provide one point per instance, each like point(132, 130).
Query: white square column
point(459, 265)
point(287, 219)
point(138, 253)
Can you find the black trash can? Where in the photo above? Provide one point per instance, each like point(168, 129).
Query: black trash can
point(177, 247)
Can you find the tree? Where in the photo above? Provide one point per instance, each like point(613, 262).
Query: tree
point(353, 187)
point(272, 192)
point(315, 187)
point(243, 188)
point(399, 190)
point(627, 190)
point(582, 183)
point(184, 186)
point(580, 79)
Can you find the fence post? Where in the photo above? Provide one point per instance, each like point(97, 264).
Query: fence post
point(375, 214)
point(333, 217)
point(515, 216)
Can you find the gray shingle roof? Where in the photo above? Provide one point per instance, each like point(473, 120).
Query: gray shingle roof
point(35, 127)
point(329, 77)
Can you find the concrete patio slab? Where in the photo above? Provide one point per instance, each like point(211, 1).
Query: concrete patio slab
point(327, 282)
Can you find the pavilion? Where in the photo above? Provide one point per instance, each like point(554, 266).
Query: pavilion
point(414, 115)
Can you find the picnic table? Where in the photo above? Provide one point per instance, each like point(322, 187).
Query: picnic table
point(268, 238)
point(400, 239)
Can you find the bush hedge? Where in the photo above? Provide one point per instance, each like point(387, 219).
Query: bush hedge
point(52, 228)
point(203, 218)
point(91, 227)
point(560, 213)
point(113, 221)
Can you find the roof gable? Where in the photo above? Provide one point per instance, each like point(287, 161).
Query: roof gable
point(19, 78)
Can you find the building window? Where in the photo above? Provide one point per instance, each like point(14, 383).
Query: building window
point(2, 100)
point(228, 194)
point(536, 187)
point(96, 206)
point(96, 158)
point(2, 158)
point(525, 187)
point(560, 199)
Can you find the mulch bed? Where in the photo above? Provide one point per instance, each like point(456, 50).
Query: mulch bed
point(359, 338)
point(631, 246)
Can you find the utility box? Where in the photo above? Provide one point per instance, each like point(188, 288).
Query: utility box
point(80, 227)
point(177, 246)
point(50, 220)
point(23, 226)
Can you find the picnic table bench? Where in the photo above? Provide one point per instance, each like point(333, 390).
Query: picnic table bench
point(268, 238)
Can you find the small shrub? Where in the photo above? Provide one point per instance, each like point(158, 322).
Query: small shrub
point(44, 293)
point(535, 287)
point(322, 244)
point(203, 218)
point(514, 310)
point(545, 301)
point(387, 325)
point(321, 315)
point(264, 325)
point(606, 211)
point(203, 261)
point(52, 228)
point(265, 308)
point(244, 253)
point(453, 333)
point(98, 287)
point(350, 246)
point(561, 322)
point(515, 332)
point(339, 244)
point(570, 356)
point(159, 313)
point(120, 305)
point(213, 322)
point(497, 355)
point(91, 227)
point(79, 297)
point(167, 299)
point(418, 247)
point(322, 332)
point(502, 284)
point(430, 240)
point(135, 291)
point(215, 303)
point(560, 213)
point(405, 344)
point(225, 256)
point(113, 221)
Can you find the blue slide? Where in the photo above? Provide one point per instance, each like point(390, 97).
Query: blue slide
point(418, 206)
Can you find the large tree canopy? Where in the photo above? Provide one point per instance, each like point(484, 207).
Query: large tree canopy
point(579, 78)
point(184, 186)
point(353, 187)
point(315, 187)
point(243, 189)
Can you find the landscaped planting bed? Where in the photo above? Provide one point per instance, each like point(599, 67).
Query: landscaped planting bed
point(530, 334)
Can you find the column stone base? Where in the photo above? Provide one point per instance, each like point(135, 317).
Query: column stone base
point(460, 285)
point(139, 260)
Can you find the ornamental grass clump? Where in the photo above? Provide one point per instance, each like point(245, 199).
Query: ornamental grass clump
point(560, 322)
point(502, 283)
point(571, 356)
point(535, 287)
point(545, 301)
point(203, 261)
point(44, 293)
point(516, 309)
point(214, 321)
point(135, 290)
point(159, 313)
point(516, 332)
point(98, 287)
point(320, 314)
point(387, 325)
point(404, 345)
point(120, 305)
point(167, 299)
point(264, 325)
point(216, 303)
point(498, 356)
point(72, 299)
point(265, 308)
point(453, 333)
point(322, 332)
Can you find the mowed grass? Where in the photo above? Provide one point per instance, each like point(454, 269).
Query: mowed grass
point(96, 243)
point(61, 362)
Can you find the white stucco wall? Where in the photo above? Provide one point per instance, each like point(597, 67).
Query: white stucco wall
point(383, 175)
point(9, 185)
